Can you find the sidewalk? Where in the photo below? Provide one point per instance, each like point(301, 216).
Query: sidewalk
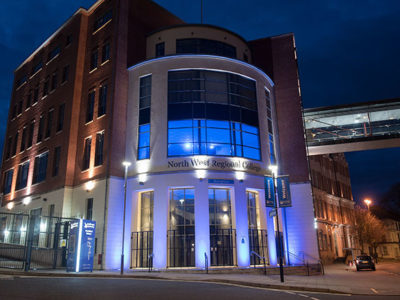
point(337, 279)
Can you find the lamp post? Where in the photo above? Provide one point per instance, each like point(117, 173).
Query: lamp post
point(126, 164)
point(367, 202)
point(274, 170)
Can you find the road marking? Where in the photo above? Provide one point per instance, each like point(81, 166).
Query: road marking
point(374, 290)
point(314, 298)
point(302, 295)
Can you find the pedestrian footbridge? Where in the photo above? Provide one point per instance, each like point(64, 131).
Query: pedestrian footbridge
point(354, 127)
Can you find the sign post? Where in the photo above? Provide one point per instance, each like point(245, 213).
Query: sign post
point(81, 246)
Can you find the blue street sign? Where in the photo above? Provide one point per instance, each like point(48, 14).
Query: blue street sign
point(272, 213)
point(81, 246)
point(269, 191)
point(283, 188)
point(221, 181)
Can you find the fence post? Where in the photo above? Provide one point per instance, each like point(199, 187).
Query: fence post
point(65, 237)
point(31, 229)
point(265, 267)
point(55, 244)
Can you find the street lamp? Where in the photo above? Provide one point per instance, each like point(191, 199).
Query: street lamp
point(126, 164)
point(368, 202)
point(274, 171)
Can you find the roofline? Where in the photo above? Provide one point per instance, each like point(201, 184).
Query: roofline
point(203, 56)
point(324, 108)
point(197, 25)
point(274, 36)
point(47, 41)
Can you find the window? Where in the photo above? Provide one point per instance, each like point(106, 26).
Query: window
point(212, 113)
point(245, 57)
point(14, 150)
point(40, 129)
point(46, 87)
point(101, 110)
point(93, 59)
point(65, 74)
point(54, 81)
point(22, 176)
point(56, 161)
point(9, 144)
point(37, 67)
point(68, 40)
point(98, 158)
point(86, 153)
point(60, 120)
point(35, 95)
point(21, 81)
point(53, 53)
point(160, 49)
point(89, 209)
point(23, 140)
point(90, 106)
point(40, 169)
point(102, 20)
point(29, 99)
point(144, 118)
point(8, 177)
point(20, 105)
point(146, 211)
point(14, 112)
point(204, 46)
point(49, 123)
point(181, 231)
point(105, 53)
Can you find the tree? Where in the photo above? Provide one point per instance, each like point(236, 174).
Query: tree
point(370, 230)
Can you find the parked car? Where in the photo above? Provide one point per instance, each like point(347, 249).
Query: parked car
point(365, 262)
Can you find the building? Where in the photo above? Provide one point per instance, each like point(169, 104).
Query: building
point(199, 112)
point(333, 205)
point(390, 245)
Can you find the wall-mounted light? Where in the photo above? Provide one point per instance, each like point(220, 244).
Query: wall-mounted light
point(89, 186)
point(142, 178)
point(239, 175)
point(201, 174)
point(27, 200)
point(10, 205)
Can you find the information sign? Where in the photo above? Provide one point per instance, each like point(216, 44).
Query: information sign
point(283, 187)
point(269, 191)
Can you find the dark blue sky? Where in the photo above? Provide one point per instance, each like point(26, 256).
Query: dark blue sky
point(349, 51)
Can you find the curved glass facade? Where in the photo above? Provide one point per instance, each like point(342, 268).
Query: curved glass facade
point(205, 46)
point(212, 113)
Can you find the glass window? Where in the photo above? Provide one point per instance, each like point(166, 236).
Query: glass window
point(86, 153)
point(60, 121)
point(105, 53)
point(54, 81)
point(46, 87)
point(9, 144)
point(146, 211)
point(35, 95)
point(90, 106)
point(20, 105)
point(89, 209)
point(40, 168)
point(101, 110)
point(204, 46)
point(53, 53)
point(22, 177)
point(14, 150)
point(160, 49)
point(65, 73)
point(23, 139)
point(94, 57)
point(181, 231)
point(37, 67)
point(102, 20)
point(40, 130)
point(56, 160)
point(144, 118)
point(30, 134)
point(8, 177)
point(98, 158)
point(49, 123)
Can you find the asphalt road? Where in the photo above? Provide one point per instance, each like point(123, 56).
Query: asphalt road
point(118, 289)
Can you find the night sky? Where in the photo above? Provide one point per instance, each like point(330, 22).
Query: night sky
point(349, 51)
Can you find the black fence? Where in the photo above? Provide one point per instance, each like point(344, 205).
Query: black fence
point(258, 243)
point(33, 241)
point(222, 247)
point(142, 249)
point(181, 250)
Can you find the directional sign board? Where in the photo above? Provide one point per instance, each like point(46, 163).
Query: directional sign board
point(269, 191)
point(272, 213)
point(81, 246)
point(283, 189)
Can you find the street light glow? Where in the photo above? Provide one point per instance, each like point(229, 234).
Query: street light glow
point(274, 169)
point(126, 163)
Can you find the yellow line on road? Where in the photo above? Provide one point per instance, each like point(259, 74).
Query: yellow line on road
point(374, 290)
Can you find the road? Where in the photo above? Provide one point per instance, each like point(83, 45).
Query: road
point(118, 289)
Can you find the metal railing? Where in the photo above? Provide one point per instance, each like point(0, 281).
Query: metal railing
point(141, 248)
point(260, 258)
point(222, 247)
point(181, 249)
point(258, 243)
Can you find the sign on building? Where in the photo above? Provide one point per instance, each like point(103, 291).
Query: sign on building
point(81, 246)
point(283, 187)
point(269, 191)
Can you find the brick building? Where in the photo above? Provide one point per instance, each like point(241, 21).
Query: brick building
point(127, 80)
